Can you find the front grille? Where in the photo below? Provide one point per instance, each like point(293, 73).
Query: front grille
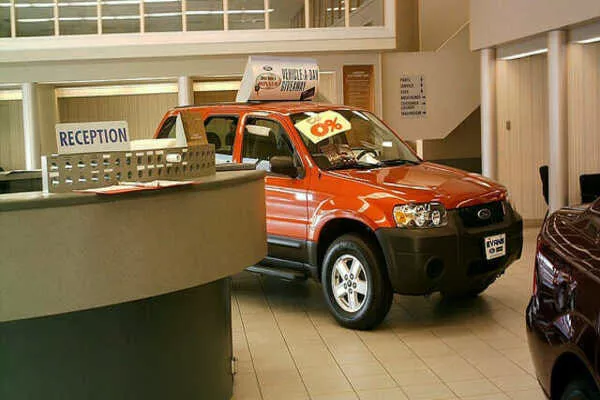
point(471, 215)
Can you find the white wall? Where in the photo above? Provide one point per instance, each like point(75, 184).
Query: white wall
point(451, 85)
point(440, 19)
point(494, 22)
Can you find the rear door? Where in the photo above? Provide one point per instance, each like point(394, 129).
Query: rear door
point(264, 137)
point(221, 131)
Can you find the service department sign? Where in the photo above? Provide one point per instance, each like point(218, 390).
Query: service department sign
point(91, 137)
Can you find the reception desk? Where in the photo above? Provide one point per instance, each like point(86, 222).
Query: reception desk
point(125, 296)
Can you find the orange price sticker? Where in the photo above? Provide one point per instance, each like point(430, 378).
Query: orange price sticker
point(323, 125)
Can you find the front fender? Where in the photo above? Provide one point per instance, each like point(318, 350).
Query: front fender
point(361, 209)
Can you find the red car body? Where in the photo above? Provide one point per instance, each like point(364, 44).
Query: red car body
point(563, 316)
point(305, 214)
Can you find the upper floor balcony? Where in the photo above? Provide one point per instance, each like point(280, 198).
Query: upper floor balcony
point(44, 30)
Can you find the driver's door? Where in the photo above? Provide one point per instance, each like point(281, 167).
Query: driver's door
point(287, 210)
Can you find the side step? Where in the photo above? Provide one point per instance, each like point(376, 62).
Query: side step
point(282, 273)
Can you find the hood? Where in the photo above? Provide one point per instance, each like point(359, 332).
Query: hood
point(429, 182)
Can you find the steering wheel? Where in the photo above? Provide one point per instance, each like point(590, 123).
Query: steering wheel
point(365, 152)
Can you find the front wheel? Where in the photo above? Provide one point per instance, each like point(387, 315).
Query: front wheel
point(356, 287)
point(581, 389)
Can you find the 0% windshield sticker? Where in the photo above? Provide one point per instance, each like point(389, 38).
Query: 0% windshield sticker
point(323, 125)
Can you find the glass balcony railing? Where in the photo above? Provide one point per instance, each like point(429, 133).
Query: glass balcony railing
point(21, 18)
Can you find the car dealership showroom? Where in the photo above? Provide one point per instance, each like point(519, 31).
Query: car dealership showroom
point(300, 199)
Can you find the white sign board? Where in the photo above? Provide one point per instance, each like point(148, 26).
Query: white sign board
point(323, 125)
point(90, 137)
point(279, 78)
point(413, 101)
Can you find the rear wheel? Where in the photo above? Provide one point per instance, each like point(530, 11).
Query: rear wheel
point(581, 389)
point(356, 287)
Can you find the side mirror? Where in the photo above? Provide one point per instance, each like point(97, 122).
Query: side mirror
point(283, 165)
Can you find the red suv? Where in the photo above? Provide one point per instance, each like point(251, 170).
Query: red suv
point(349, 203)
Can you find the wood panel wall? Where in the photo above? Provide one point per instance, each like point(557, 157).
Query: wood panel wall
point(12, 146)
point(584, 122)
point(142, 112)
point(522, 98)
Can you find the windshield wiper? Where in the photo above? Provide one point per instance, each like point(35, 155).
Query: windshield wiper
point(400, 161)
point(354, 165)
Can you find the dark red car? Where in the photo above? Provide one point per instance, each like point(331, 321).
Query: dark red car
point(563, 316)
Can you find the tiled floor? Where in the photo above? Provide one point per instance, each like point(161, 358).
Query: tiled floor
point(289, 347)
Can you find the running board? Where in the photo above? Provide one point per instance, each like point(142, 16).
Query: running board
point(282, 273)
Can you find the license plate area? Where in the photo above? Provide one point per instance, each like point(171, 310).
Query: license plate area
point(495, 246)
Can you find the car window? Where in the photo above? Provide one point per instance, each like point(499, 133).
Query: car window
point(220, 131)
point(263, 139)
point(167, 131)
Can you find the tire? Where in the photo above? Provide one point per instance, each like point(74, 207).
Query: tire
point(364, 300)
point(581, 389)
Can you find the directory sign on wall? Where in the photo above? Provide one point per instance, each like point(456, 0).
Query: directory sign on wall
point(413, 100)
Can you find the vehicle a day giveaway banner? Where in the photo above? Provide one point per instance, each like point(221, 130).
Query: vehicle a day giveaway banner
point(277, 78)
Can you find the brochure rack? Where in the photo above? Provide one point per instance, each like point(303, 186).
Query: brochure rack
point(66, 172)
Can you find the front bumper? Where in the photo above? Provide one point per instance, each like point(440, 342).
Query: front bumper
point(450, 258)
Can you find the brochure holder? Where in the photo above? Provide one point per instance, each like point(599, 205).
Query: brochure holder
point(66, 172)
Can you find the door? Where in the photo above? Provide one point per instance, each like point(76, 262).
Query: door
point(287, 215)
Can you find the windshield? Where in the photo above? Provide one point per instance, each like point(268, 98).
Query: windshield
point(338, 139)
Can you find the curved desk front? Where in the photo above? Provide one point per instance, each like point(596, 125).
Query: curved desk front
point(125, 297)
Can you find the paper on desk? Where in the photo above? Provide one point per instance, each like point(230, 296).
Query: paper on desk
point(126, 187)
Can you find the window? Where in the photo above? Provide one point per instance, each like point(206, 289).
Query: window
point(220, 131)
point(263, 139)
point(368, 141)
point(167, 131)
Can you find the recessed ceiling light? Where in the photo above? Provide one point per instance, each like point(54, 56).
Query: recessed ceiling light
point(526, 54)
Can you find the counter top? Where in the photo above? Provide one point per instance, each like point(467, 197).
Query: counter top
point(20, 175)
point(68, 252)
point(31, 200)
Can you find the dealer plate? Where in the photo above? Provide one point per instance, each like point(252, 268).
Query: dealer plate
point(495, 246)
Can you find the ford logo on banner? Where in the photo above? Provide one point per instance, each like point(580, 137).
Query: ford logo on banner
point(92, 137)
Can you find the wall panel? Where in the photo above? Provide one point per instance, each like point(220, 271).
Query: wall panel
point(584, 122)
point(522, 131)
point(12, 146)
point(142, 112)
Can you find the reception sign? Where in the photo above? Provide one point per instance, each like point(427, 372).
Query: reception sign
point(90, 137)
point(278, 78)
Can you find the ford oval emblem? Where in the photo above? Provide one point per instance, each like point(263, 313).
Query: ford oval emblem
point(484, 214)
point(267, 68)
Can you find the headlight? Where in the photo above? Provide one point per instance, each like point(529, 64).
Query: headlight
point(426, 215)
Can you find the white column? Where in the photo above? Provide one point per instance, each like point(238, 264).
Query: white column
point(419, 147)
point(31, 129)
point(489, 126)
point(186, 91)
point(558, 192)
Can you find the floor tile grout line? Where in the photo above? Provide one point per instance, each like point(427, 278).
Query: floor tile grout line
point(266, 297)
point(480, 371)
point(248, 346)
point(382, 365)
point(332, 355)
point(423, 361)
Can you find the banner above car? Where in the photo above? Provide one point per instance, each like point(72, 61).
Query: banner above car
point(279, 78)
